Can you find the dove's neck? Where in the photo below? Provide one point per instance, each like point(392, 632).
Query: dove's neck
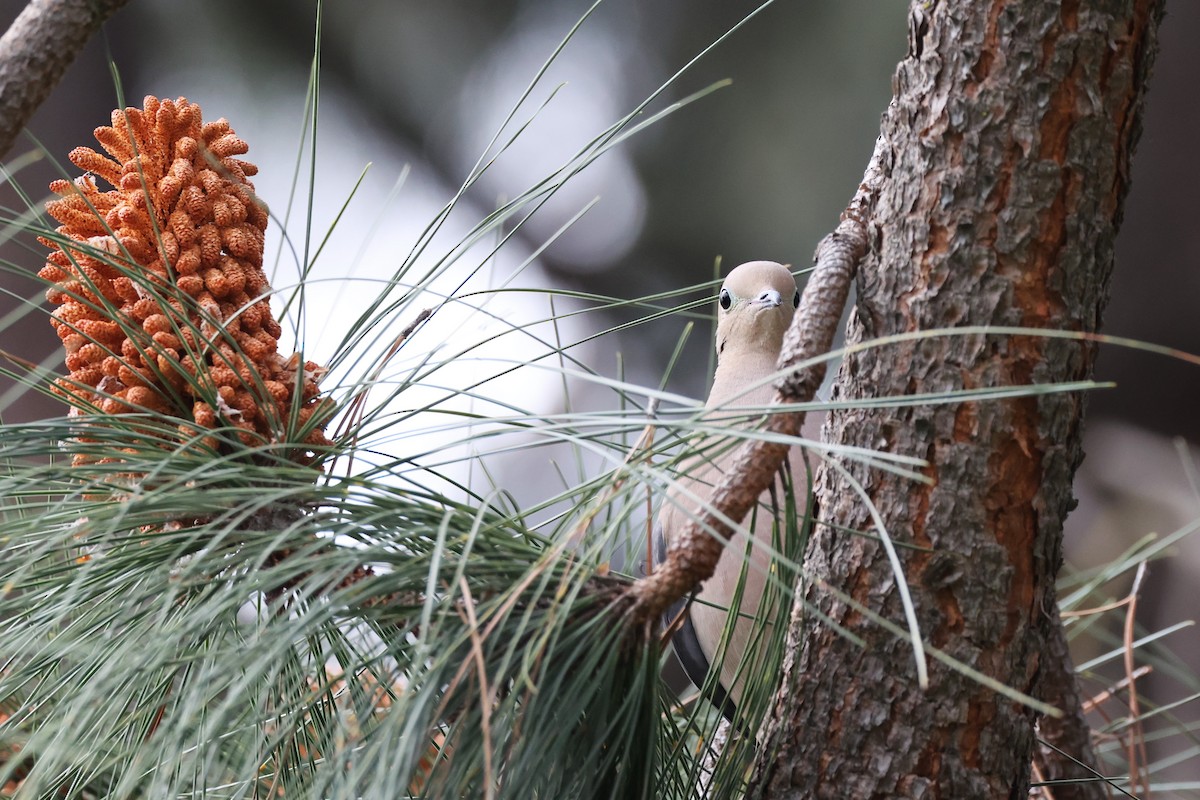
point(743, 379)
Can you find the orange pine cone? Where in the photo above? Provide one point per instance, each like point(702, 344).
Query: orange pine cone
point(161, 294)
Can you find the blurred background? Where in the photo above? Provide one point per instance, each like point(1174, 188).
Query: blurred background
point(757, 169)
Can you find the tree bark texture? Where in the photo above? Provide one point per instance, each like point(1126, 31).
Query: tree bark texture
point(1010, 133)
point(1070, 733)
point(35, 52)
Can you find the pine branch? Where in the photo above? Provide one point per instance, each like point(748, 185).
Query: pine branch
point(35, 52)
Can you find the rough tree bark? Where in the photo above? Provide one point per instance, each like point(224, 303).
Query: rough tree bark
point(1011, 133)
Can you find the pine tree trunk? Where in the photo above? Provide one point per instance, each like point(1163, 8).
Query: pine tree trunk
point(1010, 134)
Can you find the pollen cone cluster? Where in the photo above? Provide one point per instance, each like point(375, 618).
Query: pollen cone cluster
point(160, 287)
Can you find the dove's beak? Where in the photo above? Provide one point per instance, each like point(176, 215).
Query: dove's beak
point(769, 298)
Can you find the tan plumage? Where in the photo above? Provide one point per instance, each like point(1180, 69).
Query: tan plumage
point(756, 305)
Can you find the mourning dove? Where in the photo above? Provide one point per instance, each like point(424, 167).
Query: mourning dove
point(756, 305)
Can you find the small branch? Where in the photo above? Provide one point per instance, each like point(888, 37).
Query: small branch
point(1107, 694)
point(1136, 749)
point(486, 699)
point(35, 52)
point(1043, 792)
point(694, 553)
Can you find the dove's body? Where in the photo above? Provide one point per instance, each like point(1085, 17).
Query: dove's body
point(757, 302)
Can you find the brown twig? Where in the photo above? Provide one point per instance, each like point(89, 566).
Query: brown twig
point(693, 554)
point(1107, 694)
point(35, 52)
point(467, 610)
point(1136, 748)
point(1087, 612)
point(1043, 792)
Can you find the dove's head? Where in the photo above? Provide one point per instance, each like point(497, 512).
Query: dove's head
point(756, 305)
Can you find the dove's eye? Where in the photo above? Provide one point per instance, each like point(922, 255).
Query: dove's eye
point(726, 299)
